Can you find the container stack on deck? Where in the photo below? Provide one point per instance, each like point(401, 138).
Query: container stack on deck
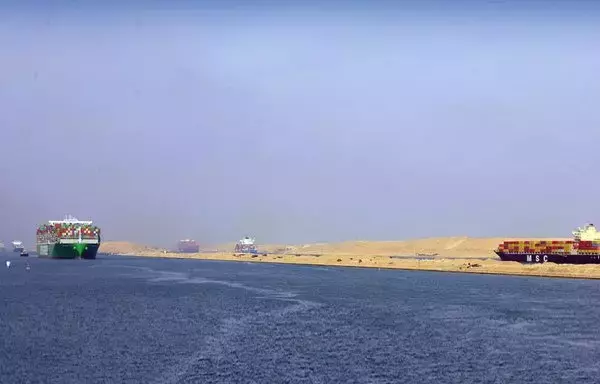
point(542, 246)
point(588, 247)
point(53, 232)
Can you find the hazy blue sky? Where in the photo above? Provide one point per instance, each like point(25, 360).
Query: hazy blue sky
point(302, 123)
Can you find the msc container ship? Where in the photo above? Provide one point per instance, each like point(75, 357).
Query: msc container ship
point(68, 239)
point(583, 249)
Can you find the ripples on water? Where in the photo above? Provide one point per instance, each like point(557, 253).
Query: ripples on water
point(135, 320)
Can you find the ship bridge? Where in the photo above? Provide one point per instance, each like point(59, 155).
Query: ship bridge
point(247, 241)
point(587, 233)
point(70, 220)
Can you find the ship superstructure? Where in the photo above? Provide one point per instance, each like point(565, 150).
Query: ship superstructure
point(68, 239)
point(18, 246)
point(583, 249)
point(246, 245)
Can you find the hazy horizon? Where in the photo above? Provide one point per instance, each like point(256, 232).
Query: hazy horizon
point(365, 121)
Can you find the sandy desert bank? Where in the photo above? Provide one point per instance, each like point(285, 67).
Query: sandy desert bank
point(448, 254)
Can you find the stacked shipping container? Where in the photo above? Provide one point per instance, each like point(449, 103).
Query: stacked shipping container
point(53, 232)
point(543, 246)
point(555, 246)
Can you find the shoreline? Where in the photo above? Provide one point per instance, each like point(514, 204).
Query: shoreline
point(467, 264)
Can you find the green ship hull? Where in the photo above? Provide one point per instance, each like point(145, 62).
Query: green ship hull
point(67, 251)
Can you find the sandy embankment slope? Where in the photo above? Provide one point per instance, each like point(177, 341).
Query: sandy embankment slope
point(454, 254)
point(125, 248)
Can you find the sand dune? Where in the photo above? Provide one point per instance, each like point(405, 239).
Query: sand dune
point(125, 248)
point(447, 247)
point(448, 254)
point(461, 246)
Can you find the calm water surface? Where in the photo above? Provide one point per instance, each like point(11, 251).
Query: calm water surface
point(137, 320)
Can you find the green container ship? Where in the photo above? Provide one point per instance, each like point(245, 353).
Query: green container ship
point(68, 239)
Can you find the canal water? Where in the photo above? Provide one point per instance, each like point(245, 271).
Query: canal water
point(147, 320)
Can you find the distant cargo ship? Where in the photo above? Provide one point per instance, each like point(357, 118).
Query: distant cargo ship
point(583, 249)
point(246, 245)
point(68, 239)
point(18, 246)
point(188, 246)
